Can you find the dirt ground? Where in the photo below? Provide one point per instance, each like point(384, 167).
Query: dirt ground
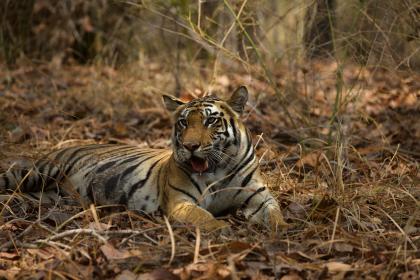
point(345, 170)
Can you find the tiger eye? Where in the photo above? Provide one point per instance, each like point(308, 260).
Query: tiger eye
point(211, 120)
point(182, 122)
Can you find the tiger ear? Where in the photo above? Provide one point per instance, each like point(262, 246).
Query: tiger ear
point(238, 99)
point(171, 102)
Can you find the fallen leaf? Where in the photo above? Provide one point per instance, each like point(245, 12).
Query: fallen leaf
point(42, 253)
point(409, 275)
point(343, 247)
point(338, 267)
point(291, 276)
point(111, 253)
point(99, 226)
point(159, 274)
point(126, 275)
point(311, 159)
point(10, 273)
point(59, 217)
point(297, 210)
point(8, 256)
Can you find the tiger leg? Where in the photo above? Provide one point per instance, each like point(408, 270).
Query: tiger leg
point(262, 208)
point(188, 212)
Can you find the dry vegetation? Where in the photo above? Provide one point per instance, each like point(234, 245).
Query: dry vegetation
point(339, 144)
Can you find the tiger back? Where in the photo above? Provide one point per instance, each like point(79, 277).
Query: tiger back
point(211, 168)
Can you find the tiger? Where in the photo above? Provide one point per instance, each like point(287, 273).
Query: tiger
point(210, 169)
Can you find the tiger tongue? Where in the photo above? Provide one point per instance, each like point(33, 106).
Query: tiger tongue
point(199, 165)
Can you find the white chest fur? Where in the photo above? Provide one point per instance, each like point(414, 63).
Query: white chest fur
point(215, 197)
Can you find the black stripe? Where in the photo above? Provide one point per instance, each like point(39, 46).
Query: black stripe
point(226, 132)
point(245, 163)
point(141, 183)
point(61, 153)
point(117, 152)
point(245, 181)
point(248, 177)
point(25, 185)
point(260, 207)
point(107, 165)
point(110, 185)
point(235, 132)
point(123, 199)
point(72, 159)
point(196, 185)
point(116, 155)
point(245, 204)
point(238, 169)
point(248, 149)
point(184, 192)
point(129, 159)
point(6, 181)
point(89, 192)
point(40, 166)
point(53, 176)
point(158, 182)
point(129, 170)
point(70, 165)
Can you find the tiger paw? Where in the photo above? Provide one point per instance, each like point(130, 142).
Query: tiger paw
point(276, 221)
point(214, 225)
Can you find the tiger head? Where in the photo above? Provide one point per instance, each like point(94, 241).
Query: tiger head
point(207, 131)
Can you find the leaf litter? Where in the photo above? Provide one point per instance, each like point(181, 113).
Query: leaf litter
point(348, 186)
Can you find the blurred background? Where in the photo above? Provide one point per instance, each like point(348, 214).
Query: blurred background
point(323, 65)
point(370, 32)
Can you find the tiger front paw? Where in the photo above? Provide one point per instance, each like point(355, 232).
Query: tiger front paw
point(214, 225)
point(276, 221)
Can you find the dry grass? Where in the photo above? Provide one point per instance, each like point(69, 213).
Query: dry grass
point(349, 186)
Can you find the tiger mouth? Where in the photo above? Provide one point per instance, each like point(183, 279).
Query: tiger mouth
point(199, 165)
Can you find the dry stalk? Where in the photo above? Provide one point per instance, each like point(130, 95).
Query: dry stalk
point(172, 237)
point(197, 244)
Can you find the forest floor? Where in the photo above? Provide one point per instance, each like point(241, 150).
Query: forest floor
point(346, 172)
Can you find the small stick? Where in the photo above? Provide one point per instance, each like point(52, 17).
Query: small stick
point(337, 214)
point(197, 244)
point(172, 237)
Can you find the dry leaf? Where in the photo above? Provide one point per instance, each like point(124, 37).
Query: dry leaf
point(99, 226)
point(10, 273)
point(343, 247)
point(159, 274)
point(111, 253)
point(409, 275)
point(311, 159)
point(44, 254)
point(291, 276)
point(338, 267)
point(8, 256)
point(126, 275)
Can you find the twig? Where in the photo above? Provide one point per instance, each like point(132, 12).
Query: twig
point(337, 214)
point(172, 237)
point(197, 244)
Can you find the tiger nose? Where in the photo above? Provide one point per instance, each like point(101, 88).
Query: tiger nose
point(191, 146)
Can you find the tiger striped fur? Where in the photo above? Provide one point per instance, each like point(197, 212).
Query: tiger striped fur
point(212, 168)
